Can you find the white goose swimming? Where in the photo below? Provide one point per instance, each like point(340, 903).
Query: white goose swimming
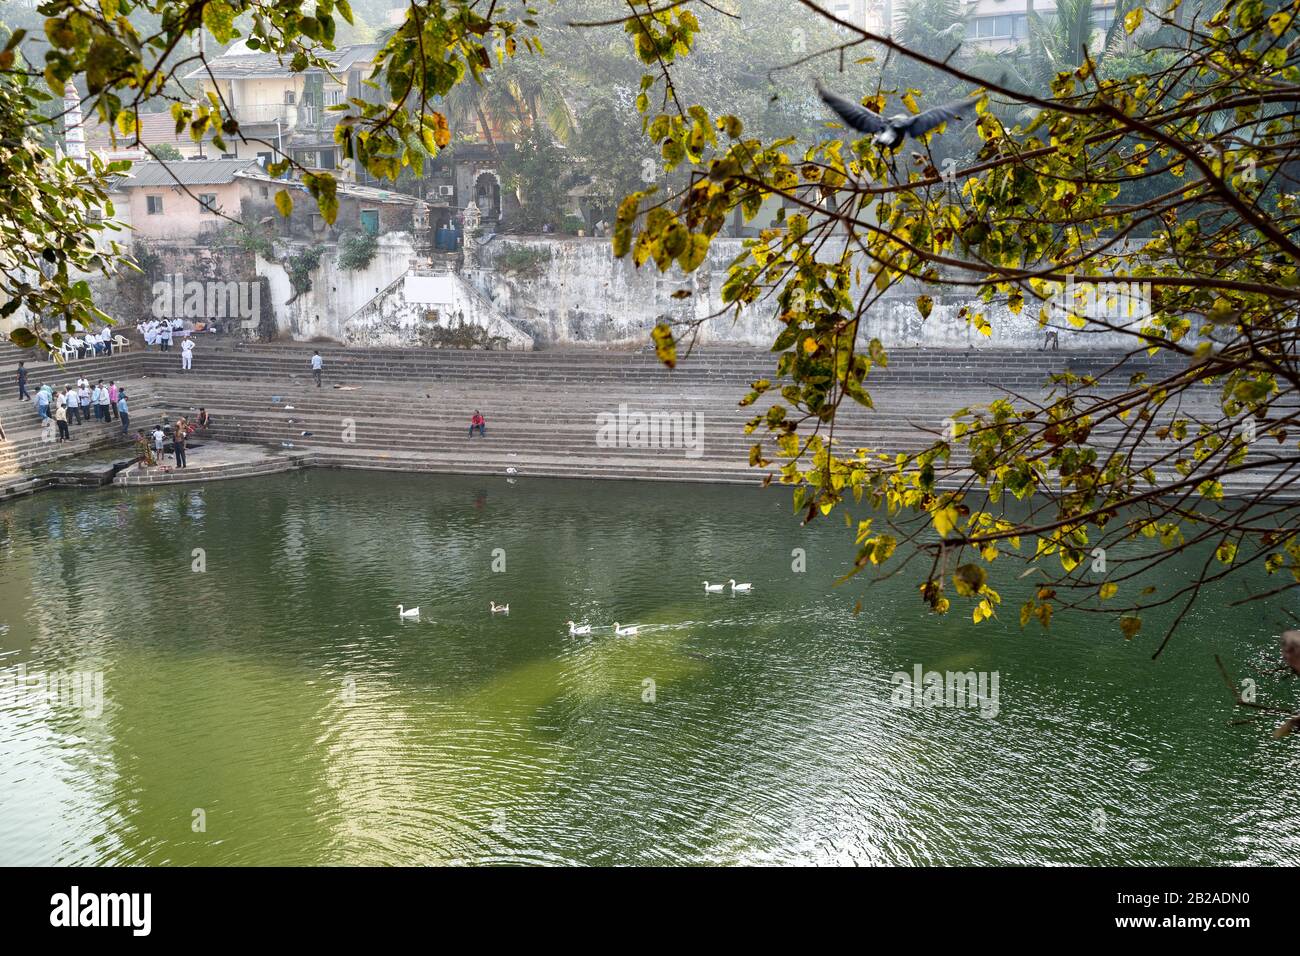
point(739, 587)
point(713, 588)
point(407, 612)
point(499, 608)
point(628, 631)
point(575, 629)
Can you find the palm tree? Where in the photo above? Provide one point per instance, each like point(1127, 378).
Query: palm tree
point(932, 27)
point(1057, 42)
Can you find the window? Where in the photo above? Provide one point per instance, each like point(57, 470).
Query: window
point(208, 203)
point(290, 97)
point(1007, 26)
point(153, 205)
point(370, 221)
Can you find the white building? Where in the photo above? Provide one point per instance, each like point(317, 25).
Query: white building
point(991, 24)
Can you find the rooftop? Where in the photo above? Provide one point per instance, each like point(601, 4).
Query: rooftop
point(367, 193)
point(241, 63)
point(156, 129)
point(190, 172)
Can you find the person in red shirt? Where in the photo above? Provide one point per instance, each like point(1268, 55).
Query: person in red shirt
point(477, 422)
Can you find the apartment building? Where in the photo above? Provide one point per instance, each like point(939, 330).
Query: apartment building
point(280, 111)
point(1002, 24)
point(994, 25)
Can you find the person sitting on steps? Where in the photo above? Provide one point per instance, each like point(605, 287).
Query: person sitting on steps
point(477, 422)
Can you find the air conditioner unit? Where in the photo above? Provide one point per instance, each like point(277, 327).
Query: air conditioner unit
point(446, 190)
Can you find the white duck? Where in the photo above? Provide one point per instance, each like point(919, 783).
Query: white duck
point(407, 612)
point(628, 631)
point(713, 588)
point(575, 629)
point(499, 608)
point(739, 587)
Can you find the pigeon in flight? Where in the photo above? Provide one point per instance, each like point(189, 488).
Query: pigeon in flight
point(890, 133)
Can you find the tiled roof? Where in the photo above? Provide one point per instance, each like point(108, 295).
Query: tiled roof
point(188, 172)
point(156, 129)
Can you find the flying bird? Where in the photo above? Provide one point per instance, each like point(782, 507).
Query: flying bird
point(890, 133)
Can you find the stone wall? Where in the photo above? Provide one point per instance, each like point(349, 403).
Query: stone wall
point(335, 293)
point(567, 291)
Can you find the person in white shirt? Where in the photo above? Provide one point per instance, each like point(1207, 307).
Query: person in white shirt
point(187, 354)
point(83, 395)
point(316, 364)
point(72, 403)
point(106, 337)
point(94, 400)
point(105, 406)
point(78, 347)
point(166, 337)
point(159, 439)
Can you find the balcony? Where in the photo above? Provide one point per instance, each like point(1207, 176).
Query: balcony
point(265, 114)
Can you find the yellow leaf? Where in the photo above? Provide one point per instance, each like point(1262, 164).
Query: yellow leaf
point(1107, 590)
point(284, 202)
point(945, 519)
point(1132, 20)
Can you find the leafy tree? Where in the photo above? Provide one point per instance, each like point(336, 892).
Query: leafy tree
point(1196, 455)
point(539, 172)
point(51, 241)
point(167, 152)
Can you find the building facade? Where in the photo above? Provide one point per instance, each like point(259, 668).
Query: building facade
point(283, 113)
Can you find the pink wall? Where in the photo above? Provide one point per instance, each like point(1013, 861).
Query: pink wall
point(181, 217)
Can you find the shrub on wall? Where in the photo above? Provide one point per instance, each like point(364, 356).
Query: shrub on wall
point(523, 259)
point(300, 265)
point(357, 250)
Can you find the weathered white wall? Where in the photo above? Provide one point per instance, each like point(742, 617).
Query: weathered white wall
point(429, 311)
point(335, 293)
point(581, 294)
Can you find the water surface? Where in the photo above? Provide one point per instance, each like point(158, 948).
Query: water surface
point(272, 709)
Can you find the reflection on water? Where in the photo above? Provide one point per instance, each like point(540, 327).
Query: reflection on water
point(274, 709)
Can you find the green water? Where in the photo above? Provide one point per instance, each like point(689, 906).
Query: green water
point(273, 709)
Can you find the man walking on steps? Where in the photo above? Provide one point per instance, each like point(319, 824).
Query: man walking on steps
point(123, 412)
point(22, 382)
point(187, 355)
point(316, 365)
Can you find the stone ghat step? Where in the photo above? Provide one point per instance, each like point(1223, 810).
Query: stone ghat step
point(428, 414)
point(521, 450)
point(704, 359)
point(874, 430)
point(567, 467)
point(1009, 374)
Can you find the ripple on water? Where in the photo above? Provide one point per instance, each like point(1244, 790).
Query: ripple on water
point(279, 694)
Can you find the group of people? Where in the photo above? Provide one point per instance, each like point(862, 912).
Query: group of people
point(160, 332)
point(90, 344)
point(181, 432)
point(76, 403)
